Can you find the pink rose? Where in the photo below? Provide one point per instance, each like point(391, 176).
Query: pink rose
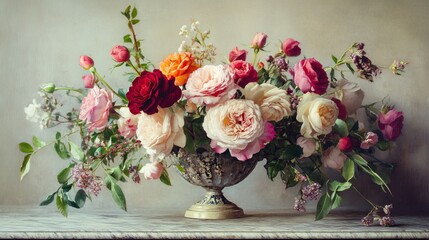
point(210, 85)
point(345, 144)
point(308, 146)
point(291, 47)
point(95, 108)
point(391, 124)
point(120, 53)
point(236, 54)
point(152, 171)
point(309, 75)
point(333, 158)
point(237, 125)
point(243, 73)
point(88, 80)
point(259, 41)
point(127, 123)
point(86, 62)
point(371, 139)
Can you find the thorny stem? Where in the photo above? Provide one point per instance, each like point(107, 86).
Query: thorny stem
point(108, 86)
point(135, 69)
point(366, 199)
point(136, 46)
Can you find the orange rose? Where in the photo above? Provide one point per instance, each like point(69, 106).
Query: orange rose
point(179, 66)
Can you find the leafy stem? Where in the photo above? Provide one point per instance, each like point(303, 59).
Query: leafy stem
point(136, 45)
point(99, 77)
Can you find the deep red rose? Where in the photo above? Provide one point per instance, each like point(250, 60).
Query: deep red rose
point(309, 75)
point(391, 124)
point(150, 90)
point(236, 54)
point(342, 111)
point(243, 73)
point(345, 144)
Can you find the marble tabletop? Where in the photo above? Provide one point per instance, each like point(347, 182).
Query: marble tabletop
point(155, 224)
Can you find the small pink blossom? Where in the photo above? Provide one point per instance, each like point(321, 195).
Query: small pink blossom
point(95, 108)
point(88, 80)
point(85, 179)
point(259, 41)
point(120, 53)
point(152, 171)
point(371, 139)
point(86, 62)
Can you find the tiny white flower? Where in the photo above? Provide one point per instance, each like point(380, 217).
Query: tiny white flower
point(183, 31)
point(194, 25)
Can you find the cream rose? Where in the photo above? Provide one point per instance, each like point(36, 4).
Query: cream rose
point(237, 125)
point(317, 115)
point(210, 85)
point(274, 102)
point(160, 131)
point(127, 123)
point(350, 95)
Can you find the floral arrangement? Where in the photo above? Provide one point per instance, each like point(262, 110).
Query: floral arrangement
point(293, 113)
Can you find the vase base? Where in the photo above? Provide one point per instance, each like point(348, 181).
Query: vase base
point(224, 211)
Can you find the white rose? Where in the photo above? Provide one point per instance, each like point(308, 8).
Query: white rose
point(274, 102)
point(237, 125)
point(350, 95)
point(127, 123)
point(317, 115)
point(308, 146)
point(333, 158)
point(160, 131)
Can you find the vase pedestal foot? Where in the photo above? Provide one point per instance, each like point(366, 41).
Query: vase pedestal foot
point(214, 206)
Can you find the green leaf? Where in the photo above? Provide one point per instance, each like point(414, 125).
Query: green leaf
point(61, 205)
point(323, 206)
point(58, 136)
point(123, 94)
point(37, 142)
point(63, 176)
point(118, 196)
point(134, 12)
point(383, 145)
point(115, 172)
point(336, 186)
point(66, 187)
point(332, 74)
point(48, 200)
point(334, 59)
point(61, 150)
point(165, 178)
point(126, 12)
point(76, 151)
point(336, 201)
point(80, 198)
point(350, 68)
point(359, 160)
point(180, 168)
point(341, 128)
point(72, 204)
point(135, 21)
point(272, 171)
point(25, 147)
point(25, 166)
point(348, 171)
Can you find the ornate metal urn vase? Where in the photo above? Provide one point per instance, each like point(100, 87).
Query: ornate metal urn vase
point(213, 172)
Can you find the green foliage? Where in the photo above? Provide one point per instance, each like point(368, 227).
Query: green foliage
point(48, 200)
point(76, 151)
point(324, 206)
point(117, 194)
point(341, 128)
point(63, 176)
point(165, 178)
point(25, 166)
point(80, 198)
point(25, 147)
point(348, 171)
point(62, 204)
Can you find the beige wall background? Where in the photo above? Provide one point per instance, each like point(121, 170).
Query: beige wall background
point(41, 41)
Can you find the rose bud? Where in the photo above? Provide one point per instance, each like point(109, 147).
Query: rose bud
point(291, 47)
point(345, 144)
point(259, 41)
point(89, 80)
point(48, 87)
point(120, 53)
point(86, 62)
point(236, 54)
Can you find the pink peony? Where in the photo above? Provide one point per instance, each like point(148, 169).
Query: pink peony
point(371, 139)
point(152, 171)
point(88, 80)
point(309, 75)
point(210, 85)
point(333, 158)
point(120, 53)
point(391, 124)
point(259, 41)
point(236, 54)
point(86, 62)
point(95, 108)
point(243, 73)
point(127, 123)
point(291, 47)
point(237, 125)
